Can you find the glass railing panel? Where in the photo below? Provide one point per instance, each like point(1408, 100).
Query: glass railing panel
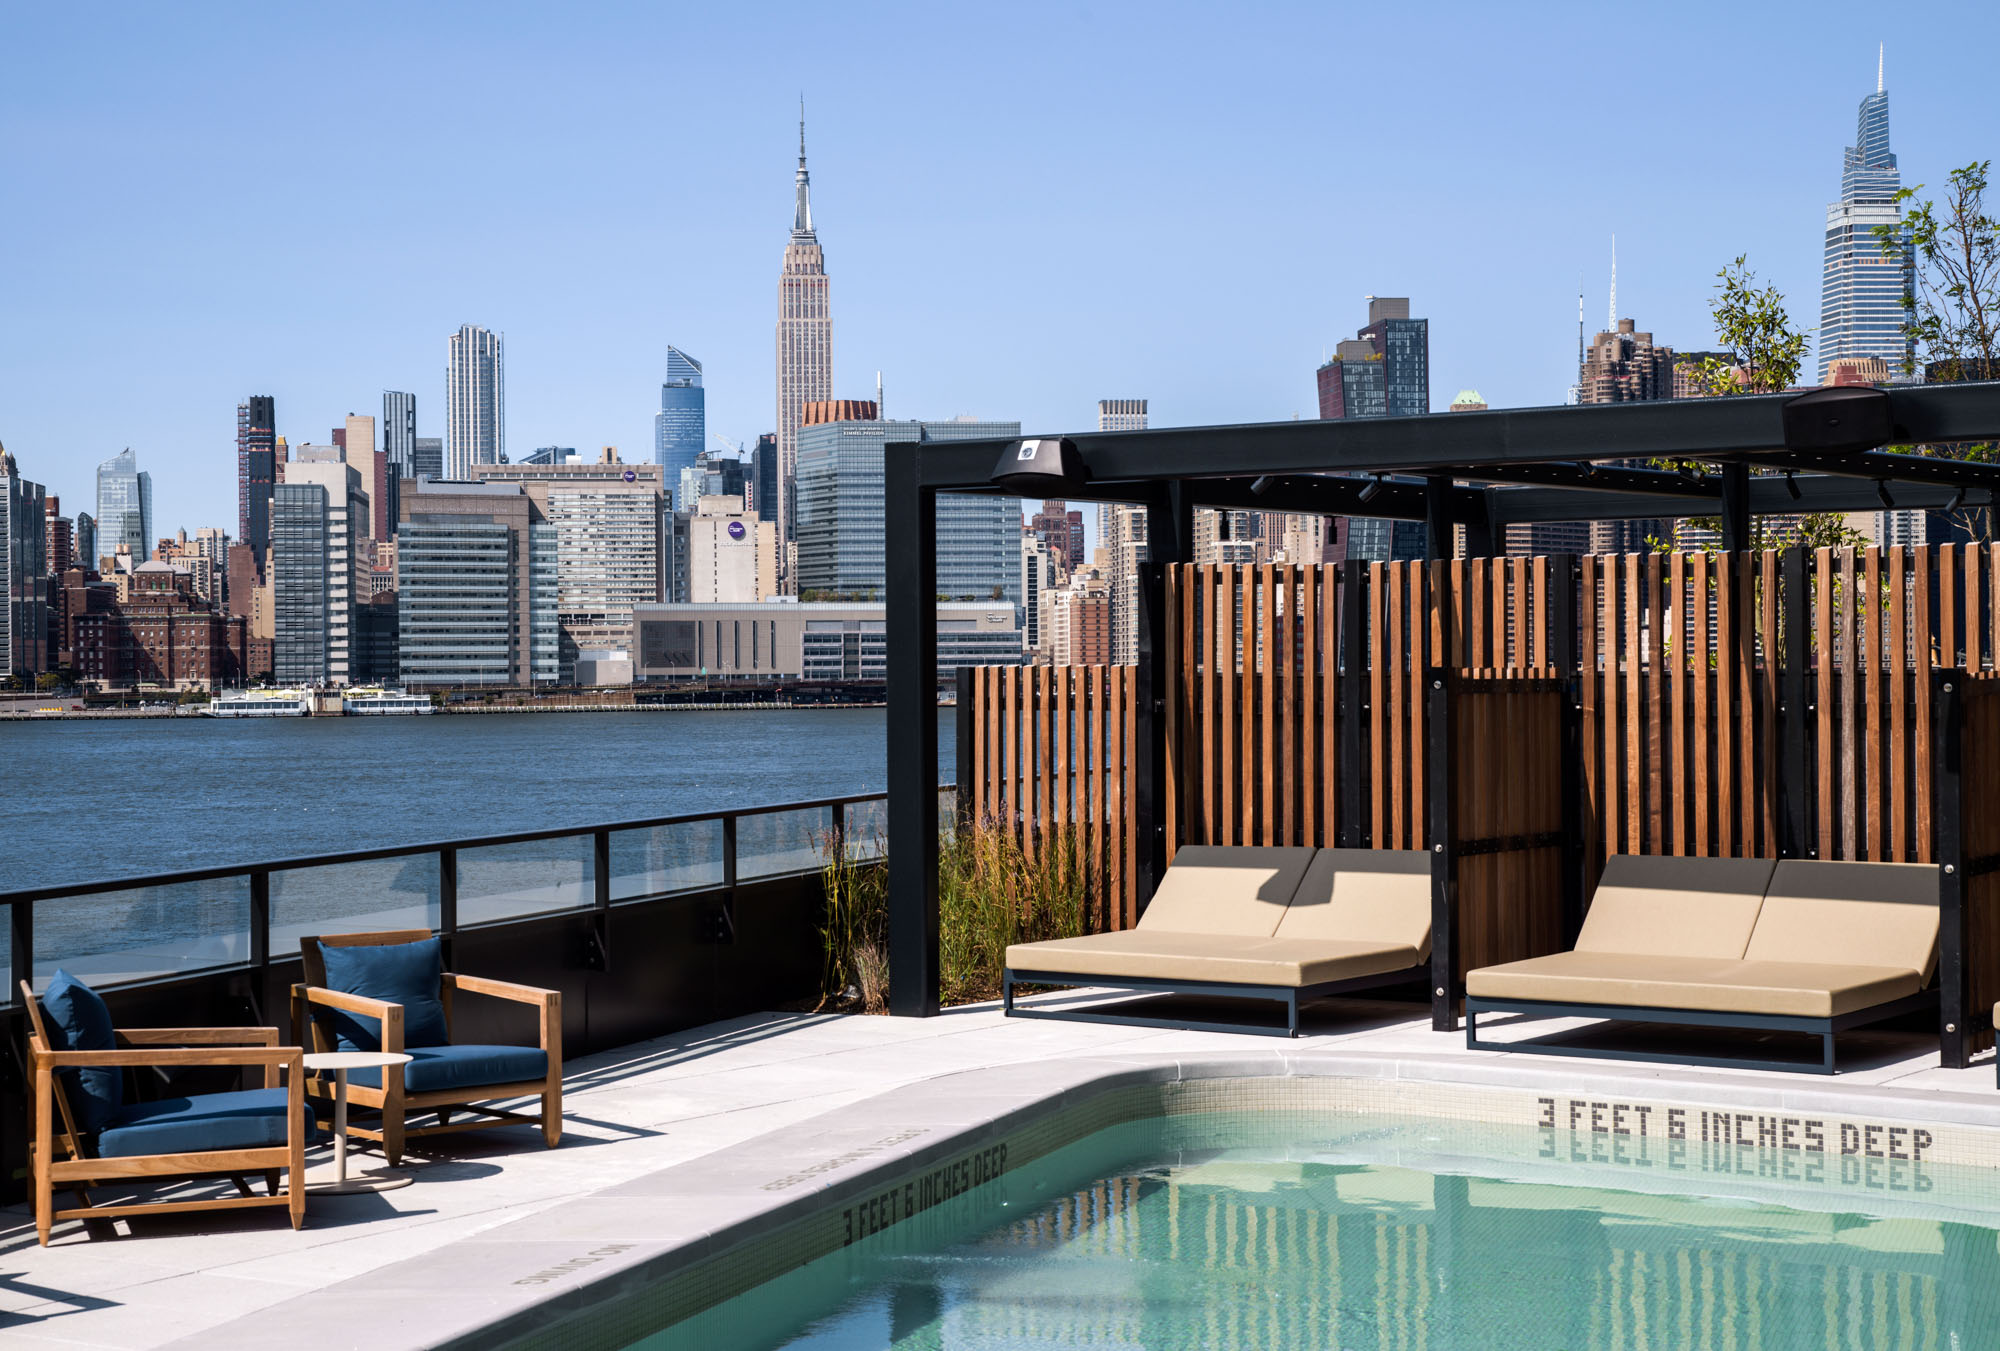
point(10, 994)
point(533, 877)
point(142, 933)
point(769, 844)
point(661, 860)
point(364, 897)
point(867, 829)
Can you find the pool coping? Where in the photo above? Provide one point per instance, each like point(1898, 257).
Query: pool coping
point(522, 1279)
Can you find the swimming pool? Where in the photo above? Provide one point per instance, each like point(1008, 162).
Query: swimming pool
point(1287, 1229)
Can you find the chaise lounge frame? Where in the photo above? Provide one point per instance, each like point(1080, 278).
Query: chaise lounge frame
point(1823, 1028)
point(1290, 997)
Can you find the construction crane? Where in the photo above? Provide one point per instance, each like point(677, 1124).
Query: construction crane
point(735, 447)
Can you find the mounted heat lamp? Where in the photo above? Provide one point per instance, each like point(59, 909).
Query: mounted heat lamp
point(1046, 466)
point(1838, 420)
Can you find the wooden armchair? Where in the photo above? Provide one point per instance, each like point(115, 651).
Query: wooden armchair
point(258, 1130)
point(443, 1076)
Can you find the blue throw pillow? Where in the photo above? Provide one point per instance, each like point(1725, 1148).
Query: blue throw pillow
point(409, 974)
point(78, 1021)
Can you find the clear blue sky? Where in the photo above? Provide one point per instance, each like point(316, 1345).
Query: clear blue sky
point(1024, 208)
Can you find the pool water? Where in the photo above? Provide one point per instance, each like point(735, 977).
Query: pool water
point(1168, 1235)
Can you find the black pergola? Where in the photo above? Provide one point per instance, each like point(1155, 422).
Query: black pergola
point(1821, 451)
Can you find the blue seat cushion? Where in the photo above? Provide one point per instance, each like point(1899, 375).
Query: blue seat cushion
point(251, 1119)
point(409, 974)
point(79, 1021)
point(439, 1069)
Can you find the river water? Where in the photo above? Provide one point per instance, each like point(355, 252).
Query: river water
point(80, 801)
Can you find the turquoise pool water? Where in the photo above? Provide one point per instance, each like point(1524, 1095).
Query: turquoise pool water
point(1224, 1232)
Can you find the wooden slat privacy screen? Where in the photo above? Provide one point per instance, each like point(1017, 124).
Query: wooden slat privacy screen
point(1277, 678)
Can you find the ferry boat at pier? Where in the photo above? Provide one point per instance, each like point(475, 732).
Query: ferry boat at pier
point(295, 702)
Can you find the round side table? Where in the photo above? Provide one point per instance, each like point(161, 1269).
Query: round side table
point(335, 1179)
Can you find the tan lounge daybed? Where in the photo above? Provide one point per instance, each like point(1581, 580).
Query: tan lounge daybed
point(1286, 924)
point(1800, 945)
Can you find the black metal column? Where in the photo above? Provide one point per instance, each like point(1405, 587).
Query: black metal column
point(1564, 655)
point(1948, 795)
point(910, 571)
point(1735, 507)
point(1794, 781)
point(1438, 540)
point(1169, 539)
point(1353, 808)
point(1439, 758)
point(1483, 539)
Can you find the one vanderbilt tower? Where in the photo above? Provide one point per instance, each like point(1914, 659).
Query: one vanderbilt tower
point(805, 350)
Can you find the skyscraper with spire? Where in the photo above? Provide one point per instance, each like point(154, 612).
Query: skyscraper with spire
point(1861, 292)
point(805, 352)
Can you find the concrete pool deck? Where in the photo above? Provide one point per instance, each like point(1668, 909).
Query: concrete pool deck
point(499, 1223)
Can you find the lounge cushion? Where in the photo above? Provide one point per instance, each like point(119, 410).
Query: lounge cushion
point(203, 1124)
point(1226, 889)
point(409, 974)
point(1380, 896)
point(439, 1069)
point(1793, 989)
point(79, 1021)
point(1223, 959)
point(1873, 914)
point(1675, 907)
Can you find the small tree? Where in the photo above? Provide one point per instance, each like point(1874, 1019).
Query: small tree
point(1763, 355)
point(1952, 309)
point(48, 681)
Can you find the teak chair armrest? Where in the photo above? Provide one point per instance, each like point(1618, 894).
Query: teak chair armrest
point(348, 1003)
point(199, 1036)
point(135, 1056)
point(502, 989)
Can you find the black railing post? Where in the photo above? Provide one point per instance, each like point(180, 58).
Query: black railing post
point(448, 898)
point(21, 940)
point(1948, 796)
point(964, 728)
point(1735, 507)
point(598, 955)
point(1794, 781)
point(729, 852)
point(1353, 726)
point(260, 924)
point(1169, 540)
point(1439, 755)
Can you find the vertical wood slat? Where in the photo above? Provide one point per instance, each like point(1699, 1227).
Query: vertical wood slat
point(1675, 660)
point(1612, 818)
point(1290, 824)
point(1311, 710)
point(1268, 645)
point(1874, 669)
point(1115, 817)
point(1045, 778)
point(1127, 734)
point(1377, 705)
point(1974, 656)
point(1096, 872)
point(1742, 659)
point(1635, 735)
point(1210, 714)
point(1768, 626)
point(1947, 611)
point(1922, 846)
point(1900, 806)
point(1225, 658)
point(1246, 826)
point(1823, 697)
point(1397, 607)
point(1064, 819)
point(1420, 600)
point(1657, 786)
point(1330, 716)
point(1726, 713)
point(1847, 683)
point(1700, 745)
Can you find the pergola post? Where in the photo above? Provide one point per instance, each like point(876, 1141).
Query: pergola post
point(1735, 507)
point(1169, 540)
point(1948, 796)
point(910, 573)
point(1438, 541)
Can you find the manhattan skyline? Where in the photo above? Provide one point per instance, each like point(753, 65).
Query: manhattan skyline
point(1201, 242)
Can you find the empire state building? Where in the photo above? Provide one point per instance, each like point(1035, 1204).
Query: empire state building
point(805, 350)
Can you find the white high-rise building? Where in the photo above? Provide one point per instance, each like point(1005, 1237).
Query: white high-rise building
point(475, 396)
point(1121, 534)
point(345, 527)
point(805, 351)
point(1861, 292)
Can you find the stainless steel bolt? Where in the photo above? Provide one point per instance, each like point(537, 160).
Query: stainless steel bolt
point(1948, 868)
point(1951, 1027)
point(1440, 991)
point(1437, 849)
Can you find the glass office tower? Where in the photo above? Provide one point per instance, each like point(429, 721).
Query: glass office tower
point(841, 524)
point(681, 426)
point(124, 507)
point(1862, 287)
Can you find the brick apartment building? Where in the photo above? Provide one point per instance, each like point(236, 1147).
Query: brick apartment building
point(160, 633)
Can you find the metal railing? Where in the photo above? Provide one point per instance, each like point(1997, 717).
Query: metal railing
point(132, 931)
